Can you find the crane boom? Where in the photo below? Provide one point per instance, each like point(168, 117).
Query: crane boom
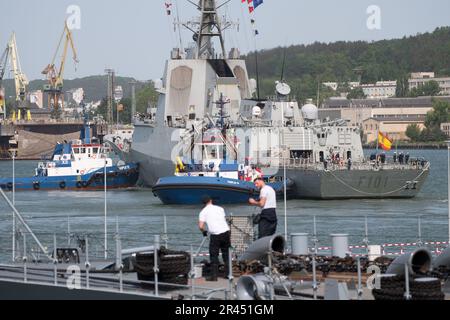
point(55, 76)
point(20, 79)
point(3, 63)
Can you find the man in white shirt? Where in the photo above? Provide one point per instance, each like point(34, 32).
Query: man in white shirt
point(268, 202)
point(214, 217)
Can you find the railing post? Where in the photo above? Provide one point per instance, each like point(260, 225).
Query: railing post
point(87, 264)
point(24, 258)
point(314, 277)
point(166, 237)
point(230, 272)
point(407, 293)
point(156, 268)
point(360, 290)
point(68, 231)
point(55, 261)
point(272, 291)
point(192, 274)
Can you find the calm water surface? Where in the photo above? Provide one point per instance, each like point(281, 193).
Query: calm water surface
point(140, 215)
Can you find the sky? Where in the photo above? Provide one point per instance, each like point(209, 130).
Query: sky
point(135, 37)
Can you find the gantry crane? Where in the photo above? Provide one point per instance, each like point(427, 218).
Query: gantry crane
point(20, 79)
point(55, 75)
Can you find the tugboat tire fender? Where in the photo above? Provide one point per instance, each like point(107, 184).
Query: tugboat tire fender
point(9, 185)
point(36, 185)
point(62, 184)
point(84, 184)
point(79, 185)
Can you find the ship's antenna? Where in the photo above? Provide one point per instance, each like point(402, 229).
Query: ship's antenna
point(255, 34)
point(178, 26)
point(257, 72)
point(318, 93)
point(283, 66)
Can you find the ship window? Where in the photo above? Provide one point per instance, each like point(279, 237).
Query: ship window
point(95, 150)
point(83, 150)
point(76, 150)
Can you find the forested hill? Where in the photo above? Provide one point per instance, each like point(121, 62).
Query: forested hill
point(306, 65)
point(95, 87)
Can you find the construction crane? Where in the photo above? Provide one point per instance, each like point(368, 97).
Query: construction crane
point(3, 63)
point(20, 79)
point(55, 75)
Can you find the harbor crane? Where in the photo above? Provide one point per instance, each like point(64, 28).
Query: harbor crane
point(21, 82)
point(55, 75)
point(3, 63)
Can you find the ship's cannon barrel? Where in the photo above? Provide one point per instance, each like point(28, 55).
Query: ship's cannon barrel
point(261, 248)
point(419, 261)
point(442, 260)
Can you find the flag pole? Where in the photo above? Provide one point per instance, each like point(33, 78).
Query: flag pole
point(378, 139)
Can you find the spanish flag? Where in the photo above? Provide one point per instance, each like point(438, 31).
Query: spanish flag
point(384, 142)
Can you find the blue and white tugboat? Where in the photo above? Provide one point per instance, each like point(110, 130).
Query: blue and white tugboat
point(78, 165)
point(225, 181)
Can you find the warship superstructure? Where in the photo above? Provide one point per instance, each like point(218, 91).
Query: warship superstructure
point(325, 159)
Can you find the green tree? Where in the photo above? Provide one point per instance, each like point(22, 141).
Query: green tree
point(438, 115)
point(146, 97)
point(430, 88)
point(413, 132)
point(433, 134)
point(356, 93)
point(402, 87)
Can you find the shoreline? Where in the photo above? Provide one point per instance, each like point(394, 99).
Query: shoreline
point(413, 146)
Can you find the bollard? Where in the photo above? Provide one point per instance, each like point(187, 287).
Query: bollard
point(300, 244)
point(340, 245)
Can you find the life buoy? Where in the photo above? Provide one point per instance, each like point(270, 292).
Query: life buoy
point(62, 184)
point(36, 185)
point(79, 185)
point(94, 156)
point(82, 172)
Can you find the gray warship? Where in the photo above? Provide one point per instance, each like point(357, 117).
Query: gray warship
point(275, 133)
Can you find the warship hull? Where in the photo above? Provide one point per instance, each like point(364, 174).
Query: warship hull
point(357, 184)
point(319, 184)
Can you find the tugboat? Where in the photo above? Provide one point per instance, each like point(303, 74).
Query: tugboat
point(189, 187)
point(225, 181)
point(78, 165)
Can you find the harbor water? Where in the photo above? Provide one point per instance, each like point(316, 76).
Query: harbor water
point(139, 215)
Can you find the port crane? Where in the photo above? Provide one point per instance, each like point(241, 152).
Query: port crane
point(20, 79)
point(55, 75)
point(3, 63)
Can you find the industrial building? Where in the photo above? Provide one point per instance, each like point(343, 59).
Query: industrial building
point(391, 116)
point(420, 78)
